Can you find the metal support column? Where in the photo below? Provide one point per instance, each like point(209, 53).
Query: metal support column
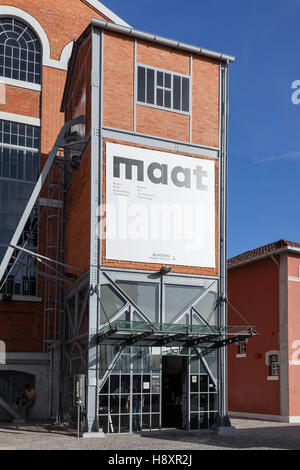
point(95, 245)
point(223, 401)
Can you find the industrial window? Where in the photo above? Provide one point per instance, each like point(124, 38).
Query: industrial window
point(242, 347)
point(19, 171)
point(273, 365)
point(20, 52)
point(203, 400)
point(163, 89)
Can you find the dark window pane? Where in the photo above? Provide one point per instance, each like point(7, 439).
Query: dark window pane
point(146, 407)
point(185, 94)
point(103, 404)
point(167, 99)
point(136, 386)
point(114, 403)
point(194, 421)
point(212, 419)
point(114, 383)
point(160, 79)
point(150, 86)
point(124, 426)
point(167, 80)
point(124, 404)
point(141, 84)
point(204, 421)
point(203, 383)
point(155, 403)
point(213, 402)
point(146, 422)
point(176, 92)
point(15, 74)
point(159, 97)
point(194, 402)
point(204, 402)
point(154, 421)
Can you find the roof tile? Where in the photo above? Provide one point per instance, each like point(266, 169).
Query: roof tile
point(261, 251)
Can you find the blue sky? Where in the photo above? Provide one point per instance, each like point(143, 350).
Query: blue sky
point(264, 124)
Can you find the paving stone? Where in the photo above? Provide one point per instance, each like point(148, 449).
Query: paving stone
point(250, 434)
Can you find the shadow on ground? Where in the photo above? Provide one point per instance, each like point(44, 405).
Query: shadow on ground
point(249, 435)
point(38, 428)
point(273, 437)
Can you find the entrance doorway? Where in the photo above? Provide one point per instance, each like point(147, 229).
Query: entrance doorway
point(174, 392)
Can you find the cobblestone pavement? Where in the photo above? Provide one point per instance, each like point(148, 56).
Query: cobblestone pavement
point(250, 434)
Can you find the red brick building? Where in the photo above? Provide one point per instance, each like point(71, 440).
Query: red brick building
point(264, 374)
point(32, 83)
point(141, 312)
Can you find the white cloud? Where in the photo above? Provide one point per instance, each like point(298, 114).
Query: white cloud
point(282, 156)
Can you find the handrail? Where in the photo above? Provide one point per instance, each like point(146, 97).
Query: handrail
point(8, 394)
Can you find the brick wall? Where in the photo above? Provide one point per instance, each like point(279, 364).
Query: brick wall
point(118, 102)
point(21, 101)
point(21, 323)
point(77, 228)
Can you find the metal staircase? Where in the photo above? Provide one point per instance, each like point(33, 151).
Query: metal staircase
point(9, 399)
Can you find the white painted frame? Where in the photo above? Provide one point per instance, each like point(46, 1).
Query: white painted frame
point(107, 12)
point(20, 119)
point(62, 63)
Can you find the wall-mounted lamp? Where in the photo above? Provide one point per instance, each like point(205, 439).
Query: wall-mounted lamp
point(165, 270)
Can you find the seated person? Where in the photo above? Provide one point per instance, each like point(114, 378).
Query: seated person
point(28, 399)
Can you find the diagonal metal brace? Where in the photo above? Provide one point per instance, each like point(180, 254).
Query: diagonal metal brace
point(60, 141)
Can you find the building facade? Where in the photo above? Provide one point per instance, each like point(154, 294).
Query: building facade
point(35, 50)
point(131, 245)
point(156, 109)
point(263, 375)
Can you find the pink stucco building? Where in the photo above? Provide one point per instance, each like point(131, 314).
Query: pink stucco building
point(264, 374)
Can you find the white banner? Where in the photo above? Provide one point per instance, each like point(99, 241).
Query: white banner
point(160, 207)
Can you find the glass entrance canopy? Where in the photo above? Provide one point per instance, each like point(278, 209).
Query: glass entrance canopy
point(130, 333)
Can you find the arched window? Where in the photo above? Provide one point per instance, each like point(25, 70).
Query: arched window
point(20, 51)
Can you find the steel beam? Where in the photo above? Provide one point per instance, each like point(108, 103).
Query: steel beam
point(171, 339)
point(203, 339)
point(106, 335)
point(136, 338)
point(95, 245)
point(222, 357)
point(59, 143)
point(222, 344)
